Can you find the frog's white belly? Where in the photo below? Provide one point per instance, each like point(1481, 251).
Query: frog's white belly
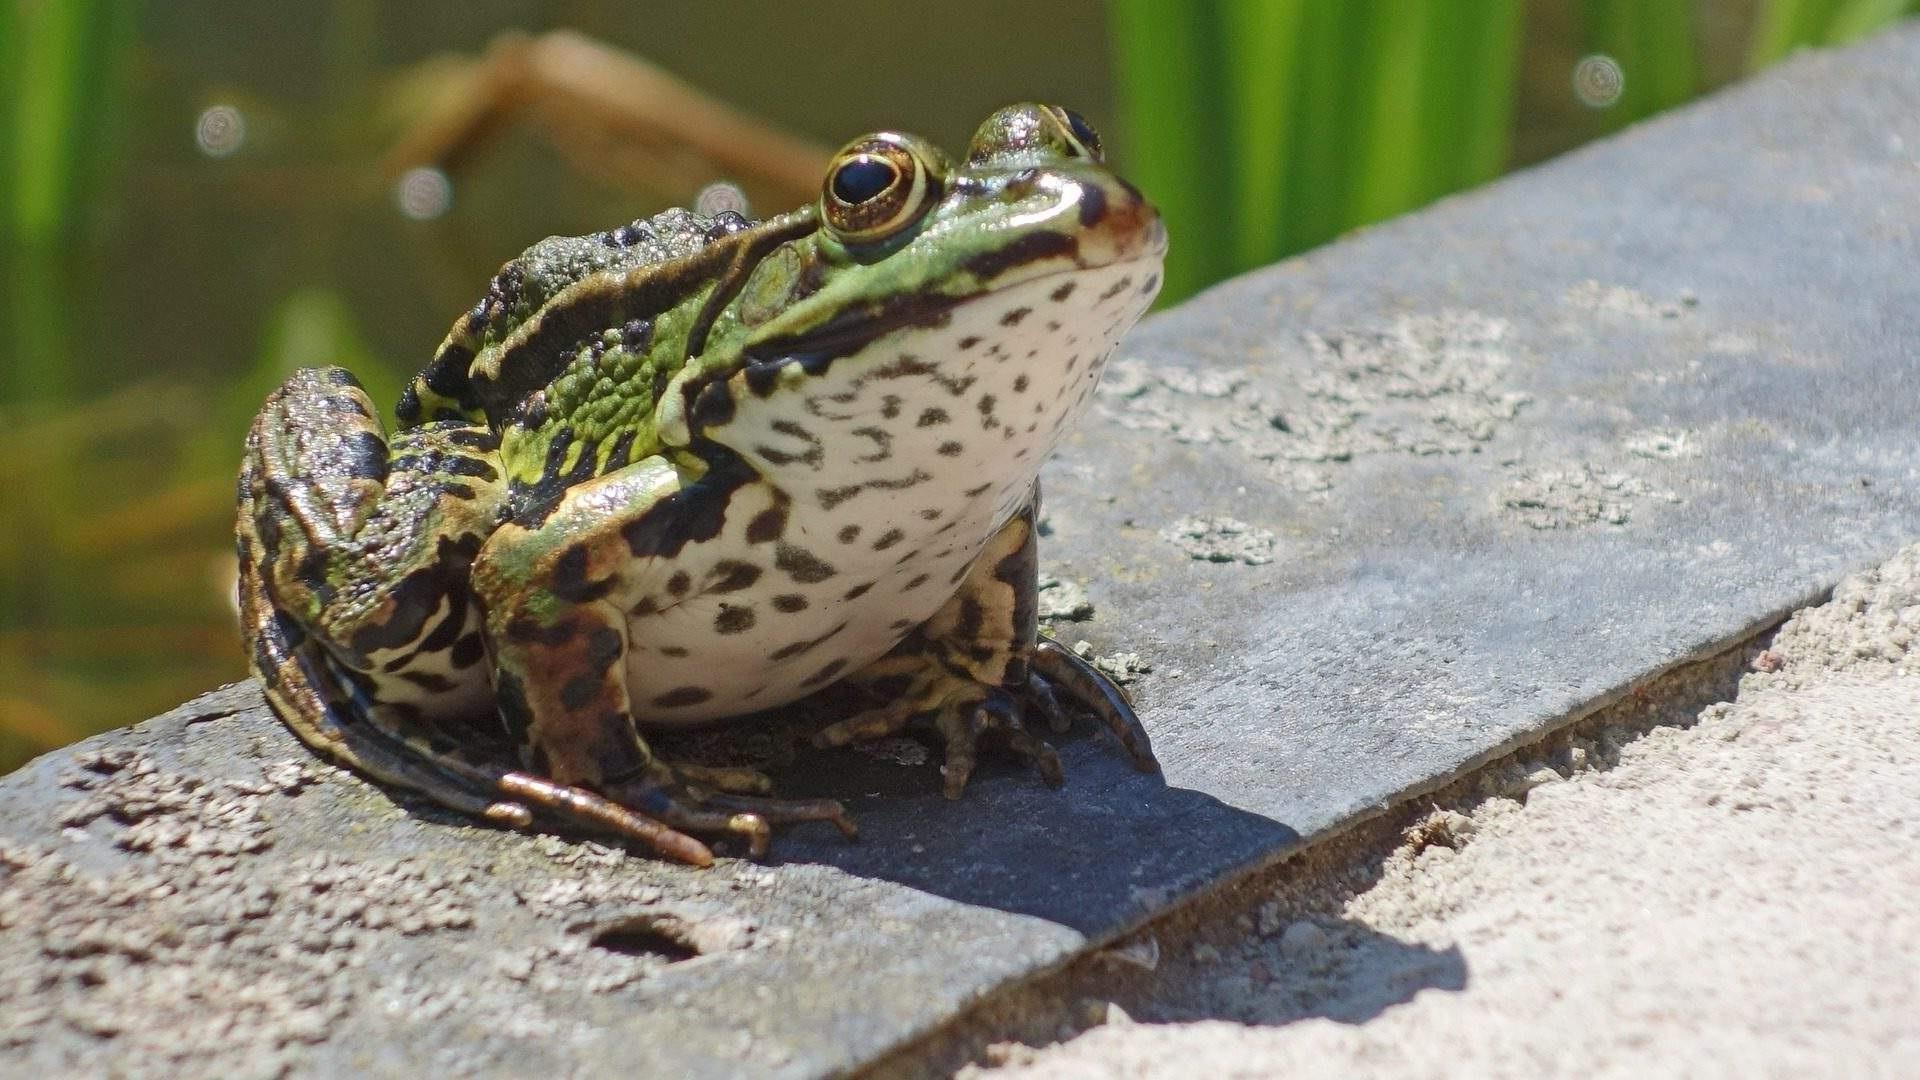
point(883, 479)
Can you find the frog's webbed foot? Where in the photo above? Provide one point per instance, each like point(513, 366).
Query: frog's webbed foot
point(1002, 716)
point(966, 714)
point(731, 779)
point(695, 808)
point(664, 813)
point(975, 670)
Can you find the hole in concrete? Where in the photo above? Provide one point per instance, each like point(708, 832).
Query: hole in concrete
point(665, 937)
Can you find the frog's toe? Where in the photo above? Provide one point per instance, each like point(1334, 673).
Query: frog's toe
point(789, 811)
point(962, 727)
point(1060, 668)
point(732, 779)
point(1042, 699)
point(876, 723)
point(583, 807)
point(746, 817)
point(753, 829)
point(964, 714)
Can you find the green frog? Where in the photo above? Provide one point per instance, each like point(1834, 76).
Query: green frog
point(695, 468)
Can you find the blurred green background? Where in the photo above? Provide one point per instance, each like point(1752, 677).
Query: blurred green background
point(197, 197)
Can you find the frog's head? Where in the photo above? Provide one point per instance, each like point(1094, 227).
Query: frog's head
point(1034, 197)
point(1028, 254)
point(905, 232)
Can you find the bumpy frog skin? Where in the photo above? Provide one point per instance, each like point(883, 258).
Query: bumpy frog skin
point(694, 468)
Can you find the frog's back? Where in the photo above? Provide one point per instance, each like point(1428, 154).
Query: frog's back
point(512, 367)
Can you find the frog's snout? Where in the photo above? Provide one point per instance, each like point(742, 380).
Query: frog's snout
point(1116, 217)
point(1155, 242)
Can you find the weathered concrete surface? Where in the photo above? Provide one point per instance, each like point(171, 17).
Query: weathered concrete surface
point(1371, 516)
point(1716, 881)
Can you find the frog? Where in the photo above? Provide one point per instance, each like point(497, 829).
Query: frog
point(699, 467)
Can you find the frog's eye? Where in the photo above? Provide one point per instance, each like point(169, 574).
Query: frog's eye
point(1080, 134)
point(878, 186)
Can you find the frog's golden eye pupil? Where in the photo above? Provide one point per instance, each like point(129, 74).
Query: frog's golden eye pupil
point(862, 179)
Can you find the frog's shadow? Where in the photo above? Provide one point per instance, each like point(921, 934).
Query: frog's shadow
point(1109, 846)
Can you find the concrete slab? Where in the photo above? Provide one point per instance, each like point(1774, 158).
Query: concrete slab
point(1371, 516)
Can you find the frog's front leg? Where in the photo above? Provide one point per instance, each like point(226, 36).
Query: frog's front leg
point(975, 667)
point(557, 593)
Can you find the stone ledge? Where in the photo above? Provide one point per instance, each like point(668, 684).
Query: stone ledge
point(1372, 516)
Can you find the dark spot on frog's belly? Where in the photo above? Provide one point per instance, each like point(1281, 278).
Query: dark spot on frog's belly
point(802, 565)
point(682, 697)
point(731, 575)
point(768, 525)
point(801, 648)
point(826, 674)
point(468, 651)
point(733, 620)
point(713, 406)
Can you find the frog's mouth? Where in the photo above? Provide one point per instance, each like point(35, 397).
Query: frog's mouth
point(768, 365)
point(855, 329)
point(1082, 227)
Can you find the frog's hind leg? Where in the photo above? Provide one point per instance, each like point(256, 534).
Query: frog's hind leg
point(318, 704)
point(353, 561)
point(313, 701)
point(976, 667)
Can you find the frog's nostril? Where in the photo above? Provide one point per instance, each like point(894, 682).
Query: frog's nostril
point(1021, 184)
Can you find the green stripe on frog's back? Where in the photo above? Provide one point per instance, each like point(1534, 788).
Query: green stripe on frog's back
point(476, 371)
point(575, 390)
